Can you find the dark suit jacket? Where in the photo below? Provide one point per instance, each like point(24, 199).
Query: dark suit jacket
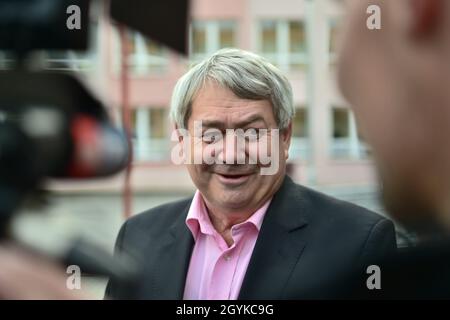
point(306, 242)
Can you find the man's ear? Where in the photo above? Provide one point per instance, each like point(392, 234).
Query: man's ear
point(426, 16)
point(180, 136)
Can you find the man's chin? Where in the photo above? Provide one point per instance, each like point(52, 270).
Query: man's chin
point(235, 200)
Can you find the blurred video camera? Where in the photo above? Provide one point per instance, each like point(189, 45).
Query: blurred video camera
point(51, 126)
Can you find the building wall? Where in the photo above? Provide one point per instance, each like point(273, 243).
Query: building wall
point(317, 159)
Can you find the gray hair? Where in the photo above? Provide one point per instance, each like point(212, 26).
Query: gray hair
point(246, 74)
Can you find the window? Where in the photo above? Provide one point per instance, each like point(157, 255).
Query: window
point(283, 43)
point(226, 34)
point(146, 56)
point(149, 131)
point(199, 38)
point(209, 36)
point(158, 119)
point(300, 123)
point(153, 49)
point(334, 36)
point(340, 123)
point(268, 37)
point(346, 142)
point(297, 37)
point(300, 143)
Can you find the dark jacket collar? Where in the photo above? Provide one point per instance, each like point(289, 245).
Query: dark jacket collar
point(279, 245)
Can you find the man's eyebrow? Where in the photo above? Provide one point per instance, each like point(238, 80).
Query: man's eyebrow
point(212, 123)
point(243, 123)
point(251, 119)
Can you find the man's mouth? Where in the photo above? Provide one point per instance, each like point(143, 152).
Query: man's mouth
point(233, 178)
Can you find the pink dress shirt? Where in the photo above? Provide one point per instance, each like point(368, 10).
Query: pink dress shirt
point(216, 271)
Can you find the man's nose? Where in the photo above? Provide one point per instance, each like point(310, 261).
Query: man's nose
point(232, 150)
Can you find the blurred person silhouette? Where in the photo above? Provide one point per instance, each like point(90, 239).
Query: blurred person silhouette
point(397, 81)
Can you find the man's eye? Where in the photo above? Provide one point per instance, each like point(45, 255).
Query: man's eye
point(211, 137)
point(252, 135)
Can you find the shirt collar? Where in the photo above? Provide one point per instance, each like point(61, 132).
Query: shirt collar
point(198, 220)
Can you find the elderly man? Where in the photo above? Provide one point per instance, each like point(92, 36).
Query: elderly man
point(249, 232)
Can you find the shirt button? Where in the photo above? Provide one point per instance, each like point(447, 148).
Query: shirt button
point(227, 257)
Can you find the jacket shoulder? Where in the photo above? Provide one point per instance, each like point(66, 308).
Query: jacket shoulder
point(350, 230)
point(333, 208)
point(160, 216)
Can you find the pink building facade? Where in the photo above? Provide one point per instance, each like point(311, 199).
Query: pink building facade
point(299, 36)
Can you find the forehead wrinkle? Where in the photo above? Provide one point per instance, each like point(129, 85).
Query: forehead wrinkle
point(226, 103)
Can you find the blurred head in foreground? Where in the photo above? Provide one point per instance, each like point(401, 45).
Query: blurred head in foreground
point(397, 80)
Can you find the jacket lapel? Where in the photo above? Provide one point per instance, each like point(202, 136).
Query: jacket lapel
point(173, 260)
point(279, 246)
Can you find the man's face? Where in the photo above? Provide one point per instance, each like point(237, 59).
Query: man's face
point(393, 78)
point(228, 185)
